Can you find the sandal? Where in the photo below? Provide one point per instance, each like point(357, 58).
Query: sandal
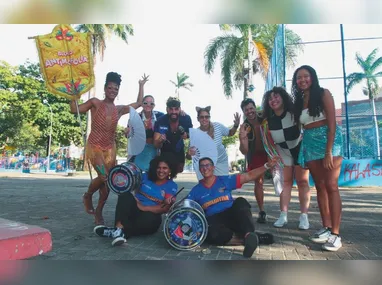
point(88, 203)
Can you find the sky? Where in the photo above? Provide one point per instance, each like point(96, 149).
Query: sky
point(167, 49)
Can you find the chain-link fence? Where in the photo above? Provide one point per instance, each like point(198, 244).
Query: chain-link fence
point(340, 53)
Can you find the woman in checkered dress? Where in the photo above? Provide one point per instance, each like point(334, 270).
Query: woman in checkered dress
point(286, 133)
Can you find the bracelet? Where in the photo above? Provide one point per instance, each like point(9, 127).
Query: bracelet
point(328, 152)
point(266, 165)
point(235, 126)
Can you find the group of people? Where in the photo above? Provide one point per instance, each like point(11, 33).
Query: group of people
point(302, 125)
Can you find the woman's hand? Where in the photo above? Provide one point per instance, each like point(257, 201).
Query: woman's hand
point(236, 119)
point(192, 151)
point(144, 79)
point(169, 201)
point(328, 161)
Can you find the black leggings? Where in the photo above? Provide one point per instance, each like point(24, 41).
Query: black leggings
point(135, 222)
point(237, 219)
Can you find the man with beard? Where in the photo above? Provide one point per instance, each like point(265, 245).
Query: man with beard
point(171, 129)
point(252, 147)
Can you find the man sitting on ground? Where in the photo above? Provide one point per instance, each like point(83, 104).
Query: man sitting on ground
point(224, 214)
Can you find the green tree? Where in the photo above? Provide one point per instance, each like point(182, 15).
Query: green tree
point(230, 140)
point(369, 75)
point(238, 44)
point(121, 142)
point(25, 120)
point(181, 82)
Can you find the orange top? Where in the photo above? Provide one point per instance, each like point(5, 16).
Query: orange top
point(104, 125)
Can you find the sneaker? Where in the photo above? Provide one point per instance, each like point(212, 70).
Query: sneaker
point(333, 244)
point(265, 238)
point(251, 242)
point(104, 231)
point(118, 237)
point(282, 221)
point(321, 236)
point(304, 222)
point(262, 219)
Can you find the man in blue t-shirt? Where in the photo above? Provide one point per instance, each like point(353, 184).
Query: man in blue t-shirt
point(171, 129)
point(225, 215)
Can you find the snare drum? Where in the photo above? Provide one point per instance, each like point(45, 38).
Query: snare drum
point(124, 178)
point(185, 226)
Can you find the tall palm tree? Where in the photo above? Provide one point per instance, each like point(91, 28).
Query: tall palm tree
point(100, 34)
point(242, 43)
point(181, 82)
point(368, 75)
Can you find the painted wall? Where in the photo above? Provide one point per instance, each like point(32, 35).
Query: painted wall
point(358, 172)
point(361, 172)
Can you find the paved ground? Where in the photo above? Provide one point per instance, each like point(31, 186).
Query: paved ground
point(54, 202)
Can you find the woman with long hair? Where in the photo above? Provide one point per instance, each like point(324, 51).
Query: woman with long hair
point(140, 214)
point(321, 151)
point(279, 116)
point(101, 145)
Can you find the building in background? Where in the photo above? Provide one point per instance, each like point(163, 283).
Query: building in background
point(361, 127)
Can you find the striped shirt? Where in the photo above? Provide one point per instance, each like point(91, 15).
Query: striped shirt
point(103, 127)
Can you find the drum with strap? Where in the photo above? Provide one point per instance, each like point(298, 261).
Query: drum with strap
point(185, 226)
point(124, 177)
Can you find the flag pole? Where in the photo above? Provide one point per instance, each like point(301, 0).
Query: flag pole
point(84, 139)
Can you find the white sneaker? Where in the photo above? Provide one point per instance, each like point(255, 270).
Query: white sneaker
point(304, 222)
point(118, 237)
point(282, 221)
point(321, 236)
point(333, 244)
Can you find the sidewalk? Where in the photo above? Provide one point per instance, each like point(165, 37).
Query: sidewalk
point(53, 201)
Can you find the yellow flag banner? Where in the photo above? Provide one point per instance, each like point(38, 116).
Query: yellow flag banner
point(66, 61)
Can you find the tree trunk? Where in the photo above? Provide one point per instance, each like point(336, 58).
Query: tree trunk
point(245, 94)
point(377, 149)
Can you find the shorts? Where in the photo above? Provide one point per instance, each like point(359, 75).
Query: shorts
point(257, 160)
point(313, 146)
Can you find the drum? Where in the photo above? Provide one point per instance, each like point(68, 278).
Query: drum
point(124, 178)
point(185, 226)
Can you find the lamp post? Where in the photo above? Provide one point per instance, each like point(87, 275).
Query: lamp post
point(50, 133)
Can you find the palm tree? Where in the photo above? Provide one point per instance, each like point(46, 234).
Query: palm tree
point(100, 34)
point(369, 67)
point(238, 45)
point(181, 82)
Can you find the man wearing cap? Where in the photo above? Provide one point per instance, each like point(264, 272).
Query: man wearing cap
point(171, 129)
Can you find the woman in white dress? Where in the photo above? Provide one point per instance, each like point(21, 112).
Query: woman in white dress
point(216, 131)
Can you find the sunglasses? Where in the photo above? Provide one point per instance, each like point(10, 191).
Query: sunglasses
point(146, 103)
point(204, 117)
